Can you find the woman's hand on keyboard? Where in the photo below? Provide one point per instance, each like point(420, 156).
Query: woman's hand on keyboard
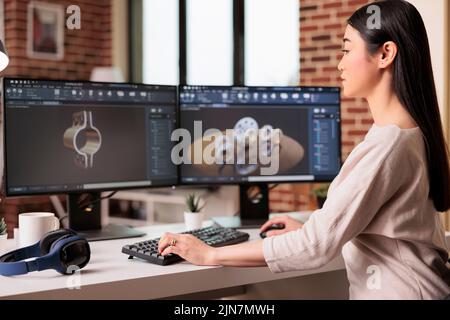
point(188, 247)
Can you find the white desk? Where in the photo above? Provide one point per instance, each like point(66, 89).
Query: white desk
point(111, 275)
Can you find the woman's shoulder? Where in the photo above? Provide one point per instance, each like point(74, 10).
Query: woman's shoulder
point(389, 145)
point(392, 135)
point(402, 142)
point(392, 132)
point(385, 152)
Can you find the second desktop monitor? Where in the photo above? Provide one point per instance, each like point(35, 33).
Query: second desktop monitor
point(307, 120)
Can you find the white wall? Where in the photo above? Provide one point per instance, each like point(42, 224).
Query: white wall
point(434, 14)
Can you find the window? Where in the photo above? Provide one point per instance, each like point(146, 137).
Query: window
point(209, 41)
point(193, 42)
point(272, 53)
point(160, 42)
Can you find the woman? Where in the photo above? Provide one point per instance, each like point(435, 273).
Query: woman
point(382, 210)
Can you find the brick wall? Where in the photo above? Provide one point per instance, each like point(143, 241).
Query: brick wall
point(322, 26)
point(84, 49)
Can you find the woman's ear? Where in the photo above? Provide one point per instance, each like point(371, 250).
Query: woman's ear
point(387, 54)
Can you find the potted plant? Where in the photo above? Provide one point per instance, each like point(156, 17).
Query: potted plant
point(320, 192)
point(193, 218)
point(3, 234)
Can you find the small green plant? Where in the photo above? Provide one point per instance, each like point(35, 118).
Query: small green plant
point(321, 191)
point(3, 227)
point(193, 203)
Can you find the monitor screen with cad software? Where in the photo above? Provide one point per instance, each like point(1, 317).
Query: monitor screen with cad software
point(303, 123)
point(63, 136)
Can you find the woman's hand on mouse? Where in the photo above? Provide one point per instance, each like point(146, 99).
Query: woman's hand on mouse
point(290, 224)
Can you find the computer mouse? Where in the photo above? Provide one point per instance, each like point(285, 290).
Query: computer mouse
point(275, 226)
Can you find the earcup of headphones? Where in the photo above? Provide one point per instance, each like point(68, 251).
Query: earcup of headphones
point(72, 251)
point(49, 238)
point(58, 240)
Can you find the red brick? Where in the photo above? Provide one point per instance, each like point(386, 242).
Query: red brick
point(307, 49)
point(330, 69)
point(358, 3)
point(345, 14)
point(320, 17)
point(322, 80)
point(357, 110)
point(322, 58)
point(308, 70)
point(325, 37)
point(348, 121)
point(367, 121)
point(333, 5)
point(332, 47)
point(335, 26)
point(308, 28)
point(357, 132)
point(307, 8)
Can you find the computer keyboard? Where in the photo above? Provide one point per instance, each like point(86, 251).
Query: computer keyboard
point(216, 236)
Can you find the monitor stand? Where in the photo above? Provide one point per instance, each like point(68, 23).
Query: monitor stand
point(84, 212)
point(254, 208)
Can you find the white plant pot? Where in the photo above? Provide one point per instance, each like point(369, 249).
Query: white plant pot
point(193, 220)
point(3, 239)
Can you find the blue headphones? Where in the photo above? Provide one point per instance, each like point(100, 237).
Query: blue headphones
point(62, 250)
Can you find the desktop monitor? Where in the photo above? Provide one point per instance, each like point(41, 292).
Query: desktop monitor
point(305, 119)
point(81, 138)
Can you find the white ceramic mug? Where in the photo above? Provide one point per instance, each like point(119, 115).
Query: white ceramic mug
point(33, 225)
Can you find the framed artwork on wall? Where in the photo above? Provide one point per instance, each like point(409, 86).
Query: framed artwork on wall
point(45, 31)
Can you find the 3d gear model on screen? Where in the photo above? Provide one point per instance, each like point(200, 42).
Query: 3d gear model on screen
point(83, 138)
point(247, 133)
